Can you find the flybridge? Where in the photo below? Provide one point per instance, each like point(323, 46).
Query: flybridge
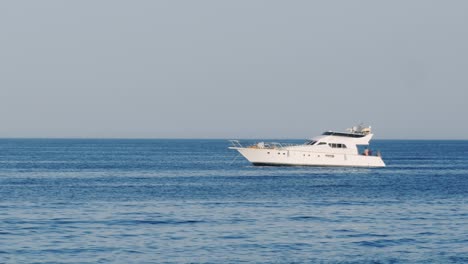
point(354, 132)
point(341, 134)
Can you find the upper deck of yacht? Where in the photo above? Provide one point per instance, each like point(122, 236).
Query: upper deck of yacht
point(339, 141)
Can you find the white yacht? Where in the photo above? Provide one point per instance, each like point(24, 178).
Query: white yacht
point(329, 149)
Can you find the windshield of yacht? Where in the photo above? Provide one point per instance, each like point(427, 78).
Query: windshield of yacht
point(310, 142)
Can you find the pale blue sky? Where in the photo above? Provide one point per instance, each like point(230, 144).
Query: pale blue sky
point(233, 69)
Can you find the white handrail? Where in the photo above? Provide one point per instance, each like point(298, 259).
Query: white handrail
point(263, 145)
point(236, 143)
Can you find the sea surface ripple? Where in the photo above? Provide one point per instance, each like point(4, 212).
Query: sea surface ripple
point(191, 201)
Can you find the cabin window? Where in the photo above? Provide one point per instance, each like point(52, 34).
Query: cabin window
point(311, 142)
point(337, 145)
point(321, 143)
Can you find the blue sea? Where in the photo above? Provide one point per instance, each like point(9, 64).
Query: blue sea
point(193, 201)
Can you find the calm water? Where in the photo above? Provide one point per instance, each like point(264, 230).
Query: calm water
point(179, 201)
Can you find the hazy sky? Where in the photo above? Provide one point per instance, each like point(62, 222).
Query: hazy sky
point(233, 69)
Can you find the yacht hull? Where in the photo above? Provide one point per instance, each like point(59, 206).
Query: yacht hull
point(278, 157)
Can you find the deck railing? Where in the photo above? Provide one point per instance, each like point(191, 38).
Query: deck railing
point(262, 145)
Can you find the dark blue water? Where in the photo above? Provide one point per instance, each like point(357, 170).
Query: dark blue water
point(182, 201)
